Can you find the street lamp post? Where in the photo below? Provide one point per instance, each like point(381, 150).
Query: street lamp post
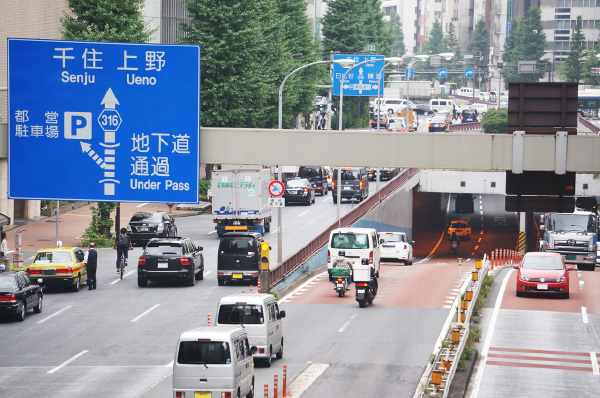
point(343, 62)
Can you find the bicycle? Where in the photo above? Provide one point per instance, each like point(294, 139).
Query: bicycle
point(122, 264)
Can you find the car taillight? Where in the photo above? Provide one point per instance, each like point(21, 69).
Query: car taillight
point(371, 258)
point(430, 125)
point(361, 185)
point(405, 247)
point(68, 270)
point(332, 183)
point(184, 261)
point(328, 256)
point(180, 394)
point(363, 284)
point(257, 221)
point(225, 395)
point(8, 298)
point(340, 279)
point(142, 261)
point(34, 272)
point(305, 190)
point(443, 124)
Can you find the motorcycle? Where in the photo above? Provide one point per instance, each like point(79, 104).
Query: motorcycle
point(454, 247)
point(341, 274)
point(341, 286)
point(366, 284)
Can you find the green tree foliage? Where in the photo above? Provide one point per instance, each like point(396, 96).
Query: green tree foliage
point(247, 50)
point(348, 27)
point(395, 27)
point(526, 42)
point(105, 20)
point(574, 67)
point(101, 224)
point(482, 43)
point(591, 62)
point(451, 41)
point(495, 121)
point(435, 41)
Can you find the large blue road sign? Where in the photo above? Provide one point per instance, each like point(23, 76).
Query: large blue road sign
point(92, 121)
point(412, 73)
point(362, 80)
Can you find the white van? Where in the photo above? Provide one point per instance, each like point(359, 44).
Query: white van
point(213, 361)
point(390, 105)
point(465, 91)
point(354, 244)
point(261, 318)
point(441, 104)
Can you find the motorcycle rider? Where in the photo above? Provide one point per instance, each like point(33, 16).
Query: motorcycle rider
point(343, 262)
point(454, 239)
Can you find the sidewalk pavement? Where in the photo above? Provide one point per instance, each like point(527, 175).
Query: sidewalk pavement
point(41, 233)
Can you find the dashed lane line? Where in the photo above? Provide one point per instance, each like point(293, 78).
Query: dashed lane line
point(53, 315)
point(68, 361)
point(145, 313)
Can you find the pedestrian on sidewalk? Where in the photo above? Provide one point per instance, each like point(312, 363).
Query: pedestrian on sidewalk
point(3, 245)
point(91, 264)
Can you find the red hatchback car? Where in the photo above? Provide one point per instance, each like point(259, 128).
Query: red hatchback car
point(543, 272)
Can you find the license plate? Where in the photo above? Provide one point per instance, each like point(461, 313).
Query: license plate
point(163, 265)
point(202, 395)
point(40, 280)
point(340, 286)
point(347, 188)
point(542, 286)
point(360, 291)
point(237, 276)
point(143, 229)
point(570, 257)
point(236, 223)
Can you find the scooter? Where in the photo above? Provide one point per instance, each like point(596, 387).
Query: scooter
point(366, 284)
point(454, 247)
point(341, 274)
point(341, 286)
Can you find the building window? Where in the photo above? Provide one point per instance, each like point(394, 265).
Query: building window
point(561, 38)
point(565, 3)
point(437, 15)
point(562, 17)
point(562, 10)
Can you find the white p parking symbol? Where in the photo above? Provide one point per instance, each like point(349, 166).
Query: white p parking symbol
point(78, 125)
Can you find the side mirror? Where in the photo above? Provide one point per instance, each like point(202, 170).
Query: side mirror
point(200, 248)
point(253, 350)
point(281, 314)
point(412, 242)
point(365, 261)
point(516, 266)
point(542, 227)
point(570, 268)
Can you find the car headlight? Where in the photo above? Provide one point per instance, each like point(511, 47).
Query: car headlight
point(161, 227)
point(128, 228)
point(524, 278)
point(562, 279)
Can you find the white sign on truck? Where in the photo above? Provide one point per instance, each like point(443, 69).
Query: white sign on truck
point(241, 200)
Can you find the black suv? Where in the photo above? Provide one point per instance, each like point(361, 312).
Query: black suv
point(171, 259)
point(238, 258)
point(145, 225)
point(317, 177)
point(355, 183)
point(468, 115)
point(18, 294)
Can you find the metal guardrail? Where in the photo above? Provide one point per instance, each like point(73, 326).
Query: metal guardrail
point(465, 126)
point(594, 129)
point(294, 261)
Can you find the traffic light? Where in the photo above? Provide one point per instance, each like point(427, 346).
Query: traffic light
point(264, 256)
point(595, 71)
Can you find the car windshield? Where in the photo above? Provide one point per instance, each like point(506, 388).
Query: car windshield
point(204, 353)
point(296, 183)
point(538, 262)
point(142, 215)
point(439, 119)
point(349, 241)
point(350, 175)
point(571, 223)
point(164, 249)
point(53, 257)
point(248, 314)
point(395, 126)
point(308, 172)
point(236, 245)
point(7, 282)
point(392, 238)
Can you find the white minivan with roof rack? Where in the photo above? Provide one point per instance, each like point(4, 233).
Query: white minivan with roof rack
point(441, 104)
point(213, 362)
point(260, 316)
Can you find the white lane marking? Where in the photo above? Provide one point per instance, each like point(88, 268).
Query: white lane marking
point(207, 273)
point(348, 322)
point(579, 274)
point(476, 247)
point(488, 338)
point(143, 204)
point(68, 361)
point(169, 365)
point(594, 364)
point(584, 315)
point(124, 276)
point(212, 232)
point(480, 206)
point(307, 378)
point(481, 233)
point(481, 212)
point(303, 213)
point(145, 312)
point(56, 313)
point(479, 240)
point(284, 299)
point(328, 198)
point(581, 285)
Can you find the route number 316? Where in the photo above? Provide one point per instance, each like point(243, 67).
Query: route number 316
point(109, 120)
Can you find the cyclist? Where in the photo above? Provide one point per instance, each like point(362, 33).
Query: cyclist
point(123, 245)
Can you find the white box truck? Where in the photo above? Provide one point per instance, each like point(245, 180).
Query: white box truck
point(241, 200)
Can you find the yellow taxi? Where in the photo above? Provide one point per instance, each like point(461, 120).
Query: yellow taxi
point(462, 228)
point(59, 266)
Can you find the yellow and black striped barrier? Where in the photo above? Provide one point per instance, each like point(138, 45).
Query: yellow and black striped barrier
point(522, 245)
